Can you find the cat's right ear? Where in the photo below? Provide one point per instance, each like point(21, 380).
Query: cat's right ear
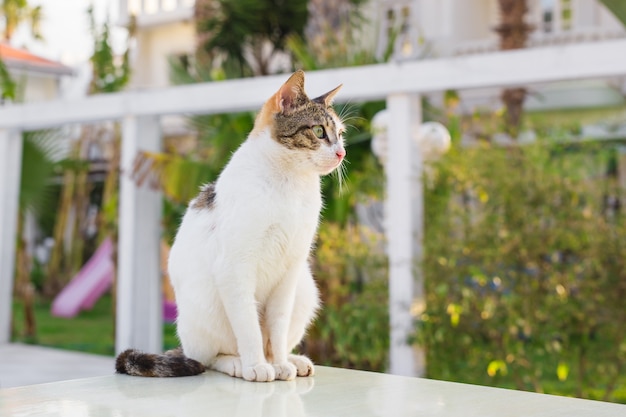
point(327, 99)
point(291, 94)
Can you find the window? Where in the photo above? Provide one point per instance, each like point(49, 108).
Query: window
point(556, 15)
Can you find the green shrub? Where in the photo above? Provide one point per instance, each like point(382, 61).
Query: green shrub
point(525, 270)
point(352, 329)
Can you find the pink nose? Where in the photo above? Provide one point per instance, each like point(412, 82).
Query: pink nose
point(340, 153)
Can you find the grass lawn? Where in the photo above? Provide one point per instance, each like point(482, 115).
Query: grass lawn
point(90, 331)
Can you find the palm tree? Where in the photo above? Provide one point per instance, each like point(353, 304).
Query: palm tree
point(16, 12)
point(35, 157)
point(38, 167)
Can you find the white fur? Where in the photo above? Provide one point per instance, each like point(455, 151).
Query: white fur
point(240, 270)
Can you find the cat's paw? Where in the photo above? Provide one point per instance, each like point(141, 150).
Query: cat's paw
point(229, 365)
point(303, 365)
point(261, 372)
point(285, 371)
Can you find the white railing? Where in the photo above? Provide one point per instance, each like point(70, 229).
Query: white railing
point(400, 84)
point(537, 39)
point(585, 21)
point(155, 12)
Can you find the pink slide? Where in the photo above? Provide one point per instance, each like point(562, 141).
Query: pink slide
point(91, 282)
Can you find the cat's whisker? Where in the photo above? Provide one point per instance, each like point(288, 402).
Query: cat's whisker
point(347, 112)
point(340, 175)
point(347, 121)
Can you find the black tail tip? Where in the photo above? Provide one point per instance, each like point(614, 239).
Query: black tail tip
point(175, 363)
point(122, 359)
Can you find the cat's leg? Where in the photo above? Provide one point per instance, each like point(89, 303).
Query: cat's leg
point(277, 317)
point(237, 296)
point(306, 304)
point(228, 364)
point(196, 342)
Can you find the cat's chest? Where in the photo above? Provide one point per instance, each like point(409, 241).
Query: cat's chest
point(293, 217)
point(274, 214)
point(289, 224)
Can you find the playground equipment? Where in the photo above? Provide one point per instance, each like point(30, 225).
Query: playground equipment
point(93, 280)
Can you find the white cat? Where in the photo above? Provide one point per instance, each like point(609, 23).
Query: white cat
point(239, 263)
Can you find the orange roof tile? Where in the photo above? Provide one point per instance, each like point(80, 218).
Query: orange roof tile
point(21, 59)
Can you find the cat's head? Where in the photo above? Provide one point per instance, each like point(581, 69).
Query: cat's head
point(309, 130)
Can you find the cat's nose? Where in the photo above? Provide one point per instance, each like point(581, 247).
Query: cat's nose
point(341, 153)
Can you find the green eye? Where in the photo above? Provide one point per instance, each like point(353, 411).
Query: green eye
point(319, 131)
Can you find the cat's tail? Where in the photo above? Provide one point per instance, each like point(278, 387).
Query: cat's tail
point(170, 364)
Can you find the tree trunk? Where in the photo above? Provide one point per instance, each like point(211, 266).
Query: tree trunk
point(513, 32)
point(25, 288)
point(54, 281)
point(107, 220)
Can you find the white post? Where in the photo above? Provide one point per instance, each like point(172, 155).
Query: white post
point(139, 320)
point(123, 12)
point(10, 173)
point(404, 225)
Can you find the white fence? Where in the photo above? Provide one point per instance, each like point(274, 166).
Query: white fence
point(139, 315)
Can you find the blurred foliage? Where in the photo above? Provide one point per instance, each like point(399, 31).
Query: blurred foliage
point(13, 13)
point(7, 84)
point(525, 269)
point(109, 74)
point(35, 195)
point(352, 329)
point(16, 12)
point(40, 149)
point(332, 38)
point(248, 33)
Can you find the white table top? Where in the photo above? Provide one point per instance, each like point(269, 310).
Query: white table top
point(332, 392)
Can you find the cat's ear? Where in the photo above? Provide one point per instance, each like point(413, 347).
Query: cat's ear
point(291, 94)
point(327, 99)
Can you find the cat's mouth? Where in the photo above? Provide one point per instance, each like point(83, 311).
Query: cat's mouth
point(334, 164)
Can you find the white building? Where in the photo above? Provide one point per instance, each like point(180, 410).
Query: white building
point(428, 29)
point(36, 78)
point(165, 29)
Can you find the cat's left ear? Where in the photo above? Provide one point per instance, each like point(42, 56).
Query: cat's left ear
point(291, 94)
point(327, 99)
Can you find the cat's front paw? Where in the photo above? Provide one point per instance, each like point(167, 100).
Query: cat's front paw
point(262, 372)
point(303, 365)
point(285, 371)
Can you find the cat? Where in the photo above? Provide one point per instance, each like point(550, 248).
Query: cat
point(239, 263)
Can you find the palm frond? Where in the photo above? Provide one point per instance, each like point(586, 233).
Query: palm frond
point(177, 177)
point(41, 150)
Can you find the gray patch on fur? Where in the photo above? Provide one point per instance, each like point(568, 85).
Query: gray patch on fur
point(206, 197)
